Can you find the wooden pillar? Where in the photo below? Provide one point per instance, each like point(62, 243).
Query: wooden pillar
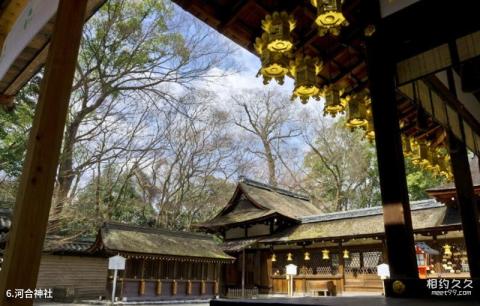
point(466, 202)
point(341, 266)
point(391, 167)
point(29, 222)
point(243, 272)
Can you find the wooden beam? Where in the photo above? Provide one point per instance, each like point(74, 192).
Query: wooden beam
point(30, 218)
point(9, 16)
point(6, 100)
point(466, 199)
point(391, 167)
point(467, 203)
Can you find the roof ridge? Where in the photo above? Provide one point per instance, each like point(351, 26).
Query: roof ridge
point(367, 211)
point(152, 230)
point(258, 184)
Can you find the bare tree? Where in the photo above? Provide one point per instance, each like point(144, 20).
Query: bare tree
point(131, 51)
point(265, 114)
point(340, 167)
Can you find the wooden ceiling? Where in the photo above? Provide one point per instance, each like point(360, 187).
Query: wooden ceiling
point(32, 58)
point(343, 56)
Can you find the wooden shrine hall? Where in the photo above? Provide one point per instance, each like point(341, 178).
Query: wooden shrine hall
point(398, 68)
point(266, 228)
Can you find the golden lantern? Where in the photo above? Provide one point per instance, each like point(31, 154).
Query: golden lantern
point(329, 16)
point(305, 70)
point(325, 254)
point(422, 156)
point(278, 28)
point(346, 254)
point(334, 104)
point(274, 258)
point(274, 64)
point(370, 132)
point(306, 256)
point(408, 146)
point(447, 249)
point(434, 162)
point(357, 111)
point(289, 256)
point(444, 168)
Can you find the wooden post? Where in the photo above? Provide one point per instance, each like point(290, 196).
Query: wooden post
point(243, 273)
point(341, 266)
point(30, 218)
point(391, 167)
point(466, 202)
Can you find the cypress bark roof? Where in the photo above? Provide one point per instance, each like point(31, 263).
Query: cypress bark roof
point(362, 222)
point(121, 238)
point(262, 201)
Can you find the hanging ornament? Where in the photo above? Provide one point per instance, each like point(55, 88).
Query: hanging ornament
point(370, 132)
point(274, 64)
point(408, 144)
point(334, 103)
point(357, 111)
point(433, 163)
point(330, 18)
point(346, 254)
point(289, 256)
point(274, 258)
point(325, 254)
point(447, 249)
point(305, 70)
point(422, 155)
point(306, 256)
point(278, 28)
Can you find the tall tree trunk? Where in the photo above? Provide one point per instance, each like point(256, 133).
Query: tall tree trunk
point(272, 177)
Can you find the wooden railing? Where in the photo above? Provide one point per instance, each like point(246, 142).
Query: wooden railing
point(239, 293)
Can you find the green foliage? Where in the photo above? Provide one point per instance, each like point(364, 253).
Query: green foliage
point(419, 179)
point(14, 129)
point(112, 197)
point(341, 169)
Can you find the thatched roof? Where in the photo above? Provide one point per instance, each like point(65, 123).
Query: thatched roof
point(260, 202)
point(126, 239)
point(361, 222)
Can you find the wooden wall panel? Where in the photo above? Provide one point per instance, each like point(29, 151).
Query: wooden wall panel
point(86, 275)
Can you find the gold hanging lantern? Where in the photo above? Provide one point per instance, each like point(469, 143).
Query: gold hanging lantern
point(408, 146)
point(306, 256)
point(370, 132)
point(274, 258)
point(422, 155)
point(357, 111)
point(329, 16)
point(445, 169)
point(447, 249)
point(334, 104)
point(278, 28)
point(433, 165)
point(274, 64)
point(305, 70)
point(325, 254)
point(289, 256)
point(346, 254)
